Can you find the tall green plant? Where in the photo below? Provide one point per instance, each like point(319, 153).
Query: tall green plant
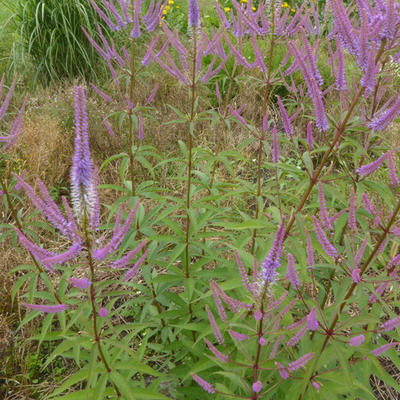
point(51, 35)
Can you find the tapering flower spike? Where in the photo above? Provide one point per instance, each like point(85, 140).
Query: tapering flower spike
point(391, 324)
point(382, 121)
point(132, 272)
point(312, 321)
point(46, 309)
point(368, 169)
point(341, 70)
point(204, 384)
point(221, 357)
point(323, 240)
point(272, 262)
point(291, 273)
point(217, 333)
point(282, 371)
point(382, 349)
point(257, 387)
point(83, 283)
point(310, 250)
point(285, 118)
point(357, 340)
point(394, 179)
point(82, 167)
point(298, 336)
point(323, 211)
point(243, 273)
point(352, 220)
point(301, 362)
point(194, 14)
point(368, 80)
point(275, 145)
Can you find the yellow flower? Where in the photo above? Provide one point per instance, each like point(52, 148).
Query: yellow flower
point(292, 10)
point(167, 8)
point(177, 6)
point(170, 2)
point(254, 9)
point(164, 12)
point(243, 1)
point(227, 9)
point(285, 5)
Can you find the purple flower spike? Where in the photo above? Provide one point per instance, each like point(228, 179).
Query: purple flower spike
point(325, 220)
point(382, 121)
point(310, 250)
point(357, 340)
point(218, 303)
point(46, 309)
point(257, 387)
point(258, 315)
point(272, 261)
point(352, 220)
point(194, 14)
point(298, 336)
point(291, 273)
point(153, 94)
point(103, 312)
point(391, 324)
point(312, 321)
point(214, 326)
point(368, 80)
point(285, 118)
point(301, 362)
point(140, 126)
point(275, 145)
point(394, 179)
point(262, 342)
point(341, 69)
point(243, 273)
point(382, 349)
point(204, 384)
point(323, 240)
point(221, 357)
point(368, 169)
point(82, 167)
point(132, 272)
point(80, 283)
point(316, 386)
point(238, 336)
point(282, 371)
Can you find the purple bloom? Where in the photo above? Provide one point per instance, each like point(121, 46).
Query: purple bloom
point(103, 312)
point(316, 386)
point(204, 384)
point(391, 324)
point(46, 309)
point(262, 342)
point(282, 371)
point(243, 273)
point(357, 340)
point(301, 362)
point(368, 80)
point(312, 321)
point(214, 326)
point(80, 283)
point(221, 357)
point(82, 167)
point(258, 315)
point(275, 145)
point(325, 220)
point(194, 14)
point(298, 336)
point(257, 387)
point(285, 118)
point(291, 273)
point(394, 179)
point(238, 336)
point(368, 169)
point(323, 240)
point(341, 70)
point(130, 274)
point(218, 303)
point(310, 250)
point(381, 122)
point(272, 262)
point(153, 93)
point(382, 349)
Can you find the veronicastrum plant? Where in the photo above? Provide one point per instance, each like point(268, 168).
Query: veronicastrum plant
point(311, 311)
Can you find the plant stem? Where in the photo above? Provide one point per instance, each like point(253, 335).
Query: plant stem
point(130, 113)
point(352, 287)
point(92, 298)
point(263, 112)
point(189, 172)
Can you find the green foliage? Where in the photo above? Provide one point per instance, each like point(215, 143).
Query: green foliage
point(52, 36)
